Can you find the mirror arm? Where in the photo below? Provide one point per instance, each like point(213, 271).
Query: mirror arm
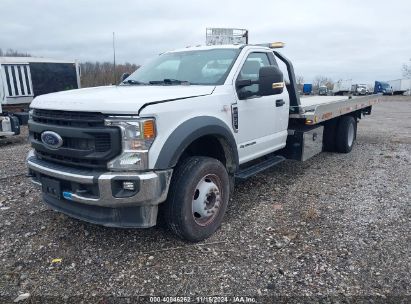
point(240, 85)
point(255, 82)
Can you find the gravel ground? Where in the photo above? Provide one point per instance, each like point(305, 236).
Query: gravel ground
point(336, 225)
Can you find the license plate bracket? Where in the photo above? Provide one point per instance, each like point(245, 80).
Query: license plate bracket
point(51, 187)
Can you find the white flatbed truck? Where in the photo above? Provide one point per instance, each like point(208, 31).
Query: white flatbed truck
point(174, 137)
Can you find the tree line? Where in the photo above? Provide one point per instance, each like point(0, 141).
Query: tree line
point(13, 53)
point(317, 82)
point(92, 73)
point(102, 73)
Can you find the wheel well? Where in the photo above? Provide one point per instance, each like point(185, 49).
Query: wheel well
point(212, 146)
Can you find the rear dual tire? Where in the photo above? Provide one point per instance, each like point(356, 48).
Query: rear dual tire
point(339, 135)
point(346, 134)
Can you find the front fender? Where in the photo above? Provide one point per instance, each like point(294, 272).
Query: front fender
point(188, 132)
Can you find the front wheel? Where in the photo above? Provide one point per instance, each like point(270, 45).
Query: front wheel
point(197, 199)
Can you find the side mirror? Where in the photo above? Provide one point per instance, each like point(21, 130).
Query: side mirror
point(124, 77)
point(271, 81)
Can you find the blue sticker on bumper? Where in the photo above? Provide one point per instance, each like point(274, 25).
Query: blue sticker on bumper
point(67, 195)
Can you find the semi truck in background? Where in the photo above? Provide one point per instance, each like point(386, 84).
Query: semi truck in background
point(307, 88)
point(323, 90)
point(342, 87)
point(400, 86)
point(359, 89)
point(23, 78)
point(370, 88)
point(382, 87)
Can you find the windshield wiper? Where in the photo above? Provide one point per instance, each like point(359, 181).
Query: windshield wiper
point(169, 81)
point(133, 82)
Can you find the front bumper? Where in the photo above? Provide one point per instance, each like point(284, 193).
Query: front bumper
point(92, 196)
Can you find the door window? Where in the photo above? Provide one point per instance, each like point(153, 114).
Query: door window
point(250, 70)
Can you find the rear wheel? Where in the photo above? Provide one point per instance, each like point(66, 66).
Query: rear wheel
point(197, 199)
point(346, 134)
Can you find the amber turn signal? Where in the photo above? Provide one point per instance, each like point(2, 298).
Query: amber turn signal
point(149, 129)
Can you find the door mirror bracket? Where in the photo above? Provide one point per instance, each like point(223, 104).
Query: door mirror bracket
point(241, 83)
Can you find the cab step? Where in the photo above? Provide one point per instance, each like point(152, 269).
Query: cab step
point(259, 167)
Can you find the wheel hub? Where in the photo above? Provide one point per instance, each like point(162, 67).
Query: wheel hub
point(206, 200)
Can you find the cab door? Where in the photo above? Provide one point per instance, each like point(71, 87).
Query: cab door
point(262, 120)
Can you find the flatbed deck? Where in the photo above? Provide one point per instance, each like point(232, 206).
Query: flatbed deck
point(316, 109)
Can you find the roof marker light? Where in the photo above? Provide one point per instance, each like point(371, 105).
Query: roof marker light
point(276, 45)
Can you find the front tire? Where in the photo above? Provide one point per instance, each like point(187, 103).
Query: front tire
point(346, 134)
point(197, 199)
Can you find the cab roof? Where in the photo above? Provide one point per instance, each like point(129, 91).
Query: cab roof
point(213, 47)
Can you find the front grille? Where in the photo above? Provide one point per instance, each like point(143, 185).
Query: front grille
point(67, 118)
point(71, 161)
point(87, 143)
point(100, 142)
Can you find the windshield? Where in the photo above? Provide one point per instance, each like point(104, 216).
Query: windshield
point(205, 67)
point(385, 85)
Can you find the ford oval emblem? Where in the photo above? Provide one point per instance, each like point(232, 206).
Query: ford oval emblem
point(51, 139)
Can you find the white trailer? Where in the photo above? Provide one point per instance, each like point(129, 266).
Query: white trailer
point(400, 86)
point(342, 87)
point(23, 78)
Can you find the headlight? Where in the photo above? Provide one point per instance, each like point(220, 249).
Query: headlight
point(30, 114)
point(137, 135)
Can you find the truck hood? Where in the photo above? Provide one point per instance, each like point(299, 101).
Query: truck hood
point(117, 99)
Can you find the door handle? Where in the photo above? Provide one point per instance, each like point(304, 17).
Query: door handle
point(279, 102)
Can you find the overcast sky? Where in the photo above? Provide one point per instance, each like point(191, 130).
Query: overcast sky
point(341, 39)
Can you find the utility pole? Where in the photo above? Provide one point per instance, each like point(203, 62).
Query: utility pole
point(114, 59)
